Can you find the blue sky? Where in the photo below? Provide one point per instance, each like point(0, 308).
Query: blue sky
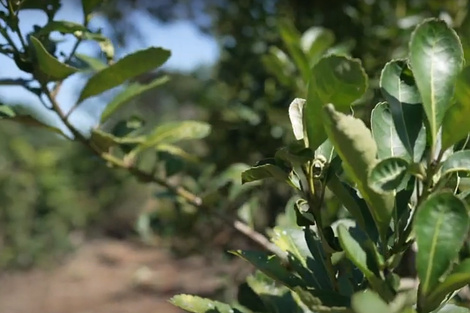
point(189, 48)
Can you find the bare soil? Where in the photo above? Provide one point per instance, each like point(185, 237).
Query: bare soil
point(109, 276)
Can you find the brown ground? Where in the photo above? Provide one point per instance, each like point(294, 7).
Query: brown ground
point(109, 276)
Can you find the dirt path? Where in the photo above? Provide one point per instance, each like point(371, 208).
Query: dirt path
point(109, 277)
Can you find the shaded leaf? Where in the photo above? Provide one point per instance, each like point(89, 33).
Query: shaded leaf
point(354, 144)
point(457, 162)
point(441, 226)
point(389, 174)
point(132, 91)
point(456, 124)
point(201, 305)
point(330, 74)
point(264, 171)
point(50, 68)
point(128, 67)
point(436, 58)
point(398, 87)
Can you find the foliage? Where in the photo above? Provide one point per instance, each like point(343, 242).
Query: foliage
point(407, 194)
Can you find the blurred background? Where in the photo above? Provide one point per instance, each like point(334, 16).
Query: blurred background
point(77, 236)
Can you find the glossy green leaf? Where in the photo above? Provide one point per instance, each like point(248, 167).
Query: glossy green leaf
point(50, 68)
point(436, 58)
point(388, 174)
point(354, 251)
point(128, 67)
point(398, 87)
point(456, 124)
point(270, 266)
point(331, 74)
point(132, 91)
point(458, 278)
point(10, 113)
point(296, 117)
point(457, 162)
point(369, 302)
point(201, 305)
point(264, 171)
point(354, 144)
point(441, 226)
point(385, 134)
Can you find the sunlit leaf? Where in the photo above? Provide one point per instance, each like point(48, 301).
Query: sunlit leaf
point(388, 174)
point(201, 305)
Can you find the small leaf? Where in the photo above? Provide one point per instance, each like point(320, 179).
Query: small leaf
point(201, 305)
point(50, 68)
point(132, 91)
point(385, 134)
point(457, 162)
point(441, 227)
point(398, 87)
point(354, 144)
point(388, 174)
point(458, 278)
point(264, 171)
point(456, 124)
point(369, 302)
point(128, 67)
point(65, 27)
point(270, 266)
point(295, 114)
point(9, 113)
point(335, 79)
point(436, 58)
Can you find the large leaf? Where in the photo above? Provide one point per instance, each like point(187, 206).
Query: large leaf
point(128, 67)
point(436, 58)
point(385, 134)
point(399, 89)
point(335, 79)
point(456, 124)
point(369, 302)
point(132, 91)
point(50, 69)
point(201, 305)
point(458, 278)
point(354, 144)
point(389, 174)
point(441, 227)
point(11, 113)
point(296, 109)
point(457, 162)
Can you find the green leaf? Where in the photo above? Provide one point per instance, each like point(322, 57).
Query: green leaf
point(452, 308)
point(128, 67)
point(354, 251)
point(398, 87)
point(369, 302)
point(270, 266)
point(292, 240)
point(436, 58)
point(276, 62)
point(173, 132)
point(456, 124)
point(103, 140)
point(388, 174)
point(201, 305)
point(296, 117)
point(264, 171)
point(335, 79)
point(441, 226)
point(458, 278)
point(357, 149)
point(93, 63)
point(457, 162)
point(177, 151)
point(385, 134)
point(315, 41)
point(88, 6)
point(132, 91)
point(10, 113)
point(65, 27)
point(50, 68)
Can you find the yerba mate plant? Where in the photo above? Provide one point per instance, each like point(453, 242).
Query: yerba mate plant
point(403, 185)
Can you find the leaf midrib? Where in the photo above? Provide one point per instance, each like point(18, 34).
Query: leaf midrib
point(432, 252)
